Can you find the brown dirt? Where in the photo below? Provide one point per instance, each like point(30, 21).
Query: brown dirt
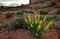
point(25, 34)
point(18, 34)
point(3, 19)
point(51, 34)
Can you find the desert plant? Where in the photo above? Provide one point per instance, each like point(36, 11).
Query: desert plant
point(49, 18)
point(55, 17)
point(3, 26)
point(55, 26)
point(16, 24)
point(8, 15)
point(43, 12)
point(36, 25)
point(20, 13)
point(52, 4)
point(58, 12)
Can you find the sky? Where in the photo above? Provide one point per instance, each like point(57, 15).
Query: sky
point(13, 2)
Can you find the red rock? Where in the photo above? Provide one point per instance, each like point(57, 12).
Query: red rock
point(50, 34)
point(18, 34)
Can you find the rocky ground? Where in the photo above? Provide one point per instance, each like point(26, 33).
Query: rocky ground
point(25, 34)
point(17, 34)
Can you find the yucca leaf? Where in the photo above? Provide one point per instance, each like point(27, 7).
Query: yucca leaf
point(31, 25)
point(29, 18)
point(36, 21)
point(40, 25)
point(44, 18)
point(32, 22)
point(38, 17)
point(26, 20)
point(48, 25)
point(28, 27)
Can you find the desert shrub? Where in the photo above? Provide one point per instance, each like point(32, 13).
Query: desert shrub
point(8, 15)
point(12, 25)
point(28, 11)
point(20, 13)
point(43, 12)
point(36, 25)
point(25, 11)
point(9, 26)
point(49, 18)
point(58, 12)
point(52, 4)
point(20, 23)
point(16, 24)
point(55, 17)
point(55, 26)
point(3, 26)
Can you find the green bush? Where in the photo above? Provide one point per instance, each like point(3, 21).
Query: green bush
point(17, 24)
point(58, 12)
point(52, 4)
point(20, 13)
point(43, 12)
point(54, 17)
point(8, 15)
point(4, 25)
point(24, 11)
point(13, 25)
point(55, 26)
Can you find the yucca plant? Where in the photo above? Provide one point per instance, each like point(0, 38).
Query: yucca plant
point(36, 25)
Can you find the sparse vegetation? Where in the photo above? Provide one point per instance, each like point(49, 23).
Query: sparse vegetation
point(43, 12)
point(54, 17)
point(8, 15)
point(20, 13)
point(53, 4)
point(58, 12)
point(55, 26)
point(4, 25)
point(37, 18)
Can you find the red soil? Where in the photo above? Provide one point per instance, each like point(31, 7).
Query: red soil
point(25, 34)
point(51, 34)
point(18, 34)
